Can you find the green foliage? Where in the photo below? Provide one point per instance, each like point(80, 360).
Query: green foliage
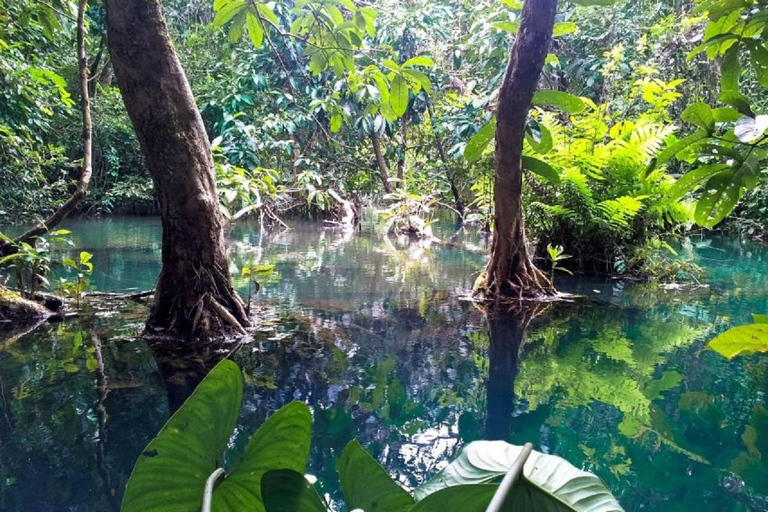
point(191, 445)
point(744, 339)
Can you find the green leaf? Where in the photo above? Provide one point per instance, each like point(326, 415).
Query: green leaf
point(480, 141)
point(701, 115)
point(398, 96)
point(507, 26)
point(421, 60)
point(268, 14)
point(544, 142)
point(542, 169)
point(464, 498)
point(758, 55)
point(548, 482)
point(693, 179)
point(730, 69)
point(420, 78)
point(745, 339)
point(228, 11)
point(726, 115)
point(282, 442)
point(759, 319)
point(171, 472)
point(367, 486)
point(737, 101)
point(564, 27)
point(723, 191)
point(336, 123)
point(288, 491)
point(255, 30)
point(564, 101)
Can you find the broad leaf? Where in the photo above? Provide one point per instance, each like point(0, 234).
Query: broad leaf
point(745, 339)
point(758, 55)
point(723, 191)
point(541, 168)
point(399, 95)
point(694, 179)
point(737, 101)
point(564, 101)
point(285, 490)
point(730, 69)
point(679, 146)
point(701, 115)
point(564, 27)
point(282, 442)
point(367, 486)
point(171, 472)
point(480, 141)
point(464, 498)
point(549, 482)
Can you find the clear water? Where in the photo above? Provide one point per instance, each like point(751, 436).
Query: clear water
point(374, 337)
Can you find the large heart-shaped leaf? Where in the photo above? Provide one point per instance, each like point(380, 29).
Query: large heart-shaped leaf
point(367, 486)
point(549, 482)
point(171, 471)
point(564, 101)
point(282, 442)
point(285, 490)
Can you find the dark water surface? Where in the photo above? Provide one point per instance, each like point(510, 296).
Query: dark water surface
point(376, 340)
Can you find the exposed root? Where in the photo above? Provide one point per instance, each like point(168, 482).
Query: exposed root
point(226, 316)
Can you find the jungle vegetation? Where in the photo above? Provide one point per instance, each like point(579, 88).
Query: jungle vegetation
point(614, 131)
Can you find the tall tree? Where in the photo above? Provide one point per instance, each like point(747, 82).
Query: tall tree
point(194, 294)
point(510, 272)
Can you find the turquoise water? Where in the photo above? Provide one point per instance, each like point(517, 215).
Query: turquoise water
point(374, 336)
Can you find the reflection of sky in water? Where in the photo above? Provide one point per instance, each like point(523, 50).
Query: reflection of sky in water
point(374, 337)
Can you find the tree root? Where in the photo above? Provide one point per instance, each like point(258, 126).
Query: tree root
point(226, 316)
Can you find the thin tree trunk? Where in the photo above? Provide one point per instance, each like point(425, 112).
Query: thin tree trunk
point(85, 174)
point(404, 142)
point(194, 296)
point(381, 162)
point(458, 203)
point(510, 272)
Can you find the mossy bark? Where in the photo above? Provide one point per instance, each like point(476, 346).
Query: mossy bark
point(16, 310)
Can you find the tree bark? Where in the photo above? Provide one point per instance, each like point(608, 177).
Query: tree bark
point(87, 168)
point(510, 272)
point(194, 296)
point(458, 203)
point(381, 162)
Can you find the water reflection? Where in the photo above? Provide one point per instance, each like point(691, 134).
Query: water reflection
point(377, 340)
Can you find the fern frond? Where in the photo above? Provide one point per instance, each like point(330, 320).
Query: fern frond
point(620, 211)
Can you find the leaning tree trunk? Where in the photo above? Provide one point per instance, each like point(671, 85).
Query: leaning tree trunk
point(194, 294)
point(511, 272)
point(68, 207)
point(381, 162)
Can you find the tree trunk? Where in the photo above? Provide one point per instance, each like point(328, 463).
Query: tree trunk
point(85, 174)
point(381, 162)
point(458, 203)
point(194, 295)
point(511, 272)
